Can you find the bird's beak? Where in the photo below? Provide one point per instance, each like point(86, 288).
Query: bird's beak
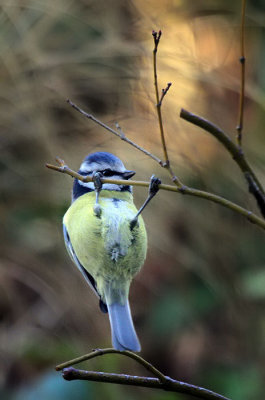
point(128, 174)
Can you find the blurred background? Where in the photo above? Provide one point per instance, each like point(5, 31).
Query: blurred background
point(198, 303)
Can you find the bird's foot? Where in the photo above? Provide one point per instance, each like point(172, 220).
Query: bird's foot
point(153, 189)
point(96, 177)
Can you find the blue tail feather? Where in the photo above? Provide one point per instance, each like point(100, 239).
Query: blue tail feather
point(123, 333)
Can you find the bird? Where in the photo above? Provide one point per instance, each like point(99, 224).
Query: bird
point(106, 238)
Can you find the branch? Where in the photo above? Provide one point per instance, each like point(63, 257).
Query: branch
point(160, 382)
point(183, 190)
point(101, 352)
point(242, 61)
point(120, 134)
point(157, 36)
point(164, 92)
point(175, 179)
point(171, 385)
point(236, 152)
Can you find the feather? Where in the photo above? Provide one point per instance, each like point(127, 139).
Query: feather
point(123, 333)
point(89, 278)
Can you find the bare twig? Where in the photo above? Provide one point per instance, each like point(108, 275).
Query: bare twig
point(183, 190)
point(236, 152)
point(157, 36)
point(242, 61)
point(164, 92)
point(121, 135)
point(175, 179)
point(160, 382)
point(170, 385)
point(101, 352)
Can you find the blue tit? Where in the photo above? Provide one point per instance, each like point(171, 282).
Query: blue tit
point(105, 246)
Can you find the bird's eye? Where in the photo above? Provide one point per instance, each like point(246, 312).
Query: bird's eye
point(107, 172)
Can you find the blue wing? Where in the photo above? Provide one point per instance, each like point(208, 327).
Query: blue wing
point(89, 278)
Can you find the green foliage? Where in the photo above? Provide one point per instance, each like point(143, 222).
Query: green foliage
point(178, 310)
point(237, 383)
point(253, 284)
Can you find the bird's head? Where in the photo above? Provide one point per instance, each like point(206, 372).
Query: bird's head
point(109, 166)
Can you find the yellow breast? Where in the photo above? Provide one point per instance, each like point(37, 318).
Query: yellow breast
point(106, 246)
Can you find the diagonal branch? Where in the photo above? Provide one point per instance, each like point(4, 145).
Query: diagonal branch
point(237, 154)
point(118, 133)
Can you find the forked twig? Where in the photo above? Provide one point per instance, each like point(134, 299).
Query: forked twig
point(163, 93)
point(157, 36)
point(100, 352)
point(160, 382)
point(166, 164)
point(254, 185)
point(237, 154)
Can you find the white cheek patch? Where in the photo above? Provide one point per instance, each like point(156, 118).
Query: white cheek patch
point(111, 186)
point(89, 185)
point(106, 186)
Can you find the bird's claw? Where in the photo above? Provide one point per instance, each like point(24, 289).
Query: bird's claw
point(154, 185)
point(96, 177)
point(153, 189)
